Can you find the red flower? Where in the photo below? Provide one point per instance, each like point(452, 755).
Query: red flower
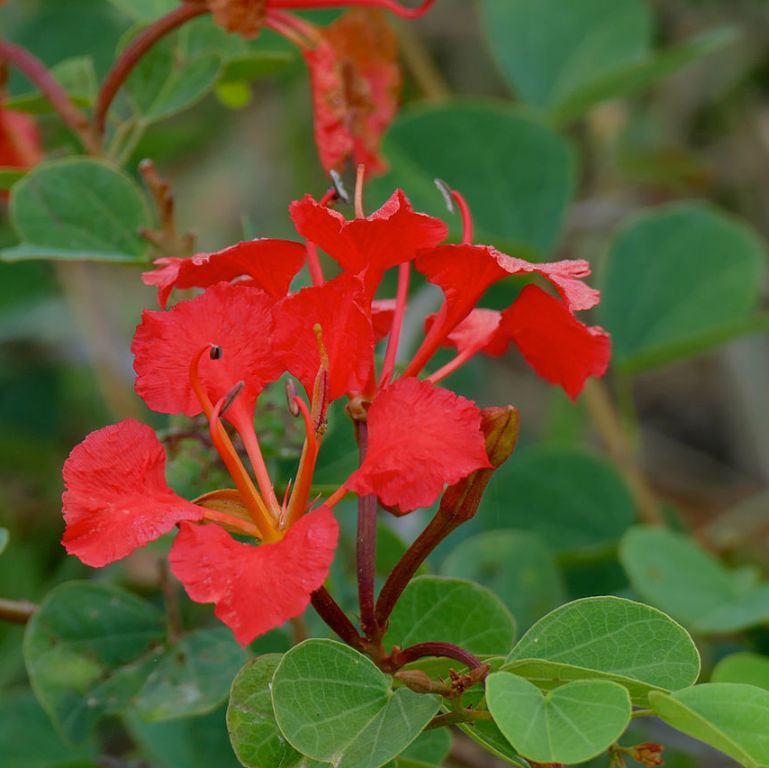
point(255, 588)
point(238, 319)
point(267, 264)
point(420, 438)
point(19, 140)
point(369, 246)
point(116, 498)
point(355, 84)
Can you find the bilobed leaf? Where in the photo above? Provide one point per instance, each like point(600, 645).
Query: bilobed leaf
point(428, 750)
point(550, 50)
point(194, 742)
point(674, 573)
point(751, 668)
point(629, 643)
point(516, 566)
point(192, 678)
point(28, 740)
point(78, 209)
point(517, 180)
point(576, 502)
point(679, 279)
point(731, 717)
point(334, 705)
point(434, 608)
point(570, 724)
point(88, 650)
point(255, 736)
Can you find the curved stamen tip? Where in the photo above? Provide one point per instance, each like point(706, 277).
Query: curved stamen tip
point(291, 396)
point(446, 193)
point(339, 188)
point(229, 398)
point(216, 352)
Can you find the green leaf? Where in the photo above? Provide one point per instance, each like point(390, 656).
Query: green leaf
point(28, 740)
point(550, 50)
point(516, 565)
point(193, 678)
point(93, 650)
point(672, 572)
point(428, 750)
point(255, 737)
point(731, 717)
point(608, 637)
point(679, 279)
point(145, 10)
point(173, 76)
point(576, 502)
point(78, 209)
point(87, 651)
point(750, 668)
point(9, 176)
point(517, 180)
point(195, 742)
point(570, 724)
point(333, 704)
point(433, 608)
point(3, 539)
point(75, 75)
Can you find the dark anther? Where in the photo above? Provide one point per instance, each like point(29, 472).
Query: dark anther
point(216, 352)
point(231, 395)
point(339, 188)
point(293, 408)
point(445, 191)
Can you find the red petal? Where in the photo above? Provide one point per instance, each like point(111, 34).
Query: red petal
point(236, 318)
point(270, 264)
point(355, 82)
point(19, 140)
point(464, 272)
point(420, 438)
point(347, 335)
point(559, 348)
point(388, 237)
point(256, 588)
point(116, 497)
point(382, 315)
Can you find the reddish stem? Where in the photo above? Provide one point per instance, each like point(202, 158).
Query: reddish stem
point(37, 73)
point(328, 609)
point(444, 650)
point(366, 547)
point(388, 5)
point(16, 611)
point(134, 52)
point(401, 298)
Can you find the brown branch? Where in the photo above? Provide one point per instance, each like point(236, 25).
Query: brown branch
point(40, 76)
point(16, 611)
point(134, 52)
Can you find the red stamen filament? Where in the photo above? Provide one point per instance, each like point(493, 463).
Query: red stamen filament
point(299, 31)
point(389, 5)
point(452, 365)
point(427, 348)
point(286, 30)
point(360, 178)
point(232, 521)
point(401, 299)
point(467, 217)
point(251, 498)
point(316, 270)
point(336, 497)
point(301, 494)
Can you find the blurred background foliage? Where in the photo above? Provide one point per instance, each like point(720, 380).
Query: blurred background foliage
point(634, 134)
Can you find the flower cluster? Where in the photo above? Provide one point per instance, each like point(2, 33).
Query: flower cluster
point(215, 354)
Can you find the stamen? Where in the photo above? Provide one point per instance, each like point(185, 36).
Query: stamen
point(291, 396)
point(450, 196)
point(216, 352)
point(445, 191)
point(232, 522)
point(360, 178)
point(336, 497)
point(298, 503)
point(229, 398)
point(401, 298)
point(316, 270)
point(453, 364)
point(428, 347)
point(320, 386)
point(339, 188)
point(323, 354)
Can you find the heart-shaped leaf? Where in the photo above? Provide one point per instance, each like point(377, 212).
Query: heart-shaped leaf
point(516, 565)
point(428, 750)
point(67, 209)
point(731, 717)
point(93, 649)
point(333, 704)
point(255, 735)
point(629, 643)
point(570, 724)
point(671, 291)
point(674, 573)
point(452, 611)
